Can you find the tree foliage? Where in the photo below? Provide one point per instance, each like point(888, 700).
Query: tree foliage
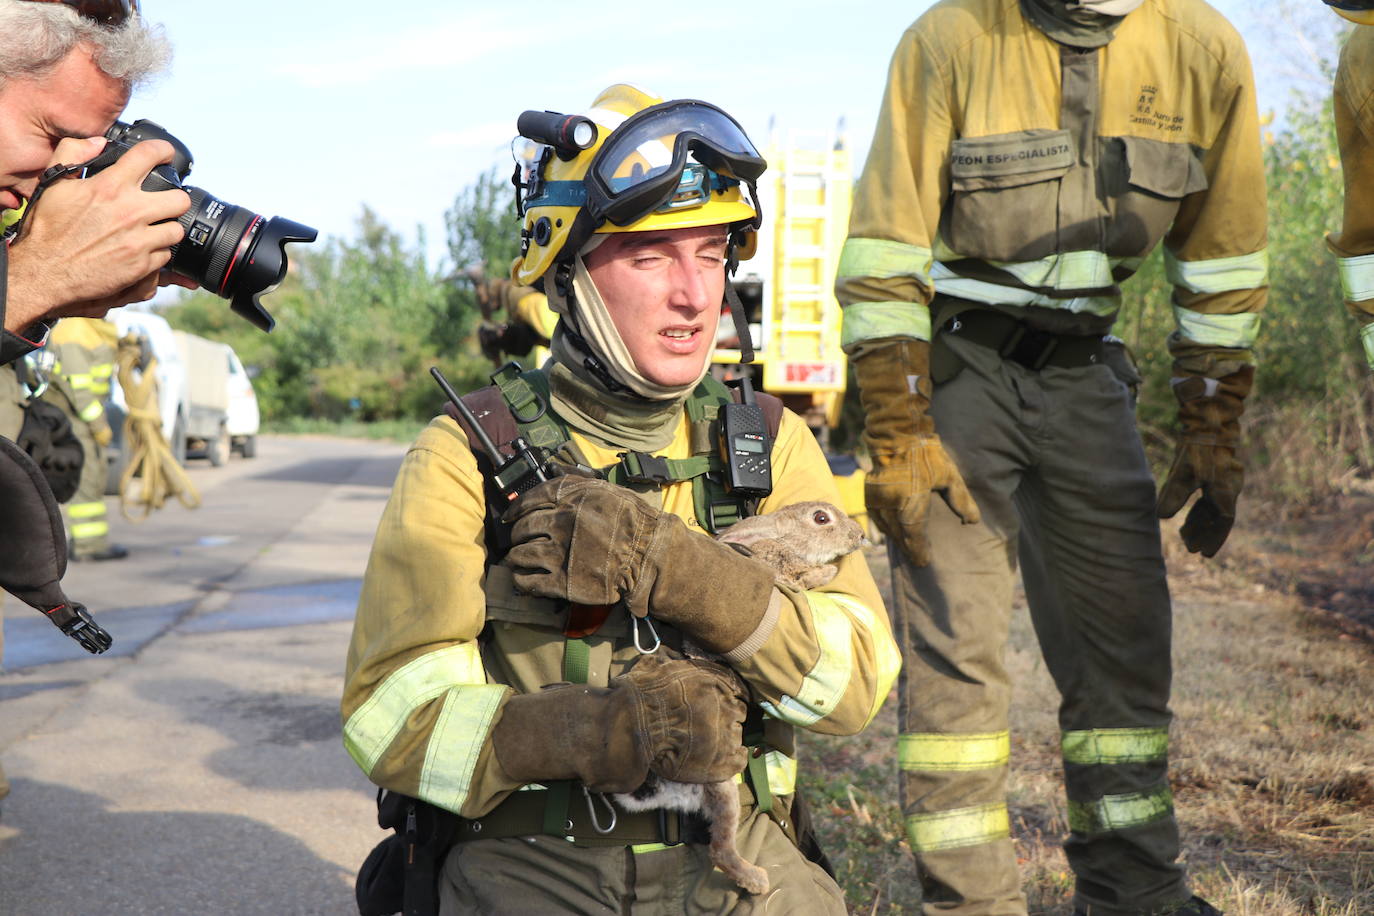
point(361, 320)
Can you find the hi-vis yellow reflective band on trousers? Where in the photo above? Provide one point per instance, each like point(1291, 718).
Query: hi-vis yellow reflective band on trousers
point(1115, 745)
point(1118, 812)
point(945, 753)
point(958, 827)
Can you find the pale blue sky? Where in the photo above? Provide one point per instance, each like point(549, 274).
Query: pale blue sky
point(311, 110)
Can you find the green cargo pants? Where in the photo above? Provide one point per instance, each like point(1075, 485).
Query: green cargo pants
point(527, 875)
point(1056, 466)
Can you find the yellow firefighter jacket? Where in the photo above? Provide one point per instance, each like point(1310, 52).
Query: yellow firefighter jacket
point(85, 351)
point(1354, 244)
point(1016, 173)
point(425, 685)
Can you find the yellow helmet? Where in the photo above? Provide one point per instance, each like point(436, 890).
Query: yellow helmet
point(623, 167)
point(1357, 11)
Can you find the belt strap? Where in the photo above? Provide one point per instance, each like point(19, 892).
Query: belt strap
point(522, 814)
point(1019, 342)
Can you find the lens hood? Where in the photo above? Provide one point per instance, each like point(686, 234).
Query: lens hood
point(262, 268)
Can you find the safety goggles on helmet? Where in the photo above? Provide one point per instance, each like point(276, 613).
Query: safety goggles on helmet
point(112, 13)
point(642, 167)
point(1358, 11)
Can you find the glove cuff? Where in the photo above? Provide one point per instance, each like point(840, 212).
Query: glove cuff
point(895, 390)
point(713, 594)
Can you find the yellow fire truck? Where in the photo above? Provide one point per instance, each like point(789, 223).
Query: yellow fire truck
point(787, 287)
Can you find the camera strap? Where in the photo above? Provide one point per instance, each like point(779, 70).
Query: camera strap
point(57, 173)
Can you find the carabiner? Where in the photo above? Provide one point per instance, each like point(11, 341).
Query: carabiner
point(591, 811)
point(634, 623)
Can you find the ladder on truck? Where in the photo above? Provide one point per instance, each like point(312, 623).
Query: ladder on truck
point(813, 189)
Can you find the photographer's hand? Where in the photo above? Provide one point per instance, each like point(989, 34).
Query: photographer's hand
point(97, 243)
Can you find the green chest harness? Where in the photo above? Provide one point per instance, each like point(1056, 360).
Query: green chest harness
point(524, 394)
point(516, 406)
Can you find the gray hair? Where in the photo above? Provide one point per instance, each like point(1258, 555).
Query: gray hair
point(38, 36)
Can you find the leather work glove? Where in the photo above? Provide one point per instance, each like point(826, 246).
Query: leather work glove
point(681, 718)
point(101, 432)
point(1209, 413)
point(588, 541)
point(909, 463)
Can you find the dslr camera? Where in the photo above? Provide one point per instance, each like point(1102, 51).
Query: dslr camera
point(229, 250)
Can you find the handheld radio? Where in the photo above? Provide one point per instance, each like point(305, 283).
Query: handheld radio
point(513, 475)
point(744, 445)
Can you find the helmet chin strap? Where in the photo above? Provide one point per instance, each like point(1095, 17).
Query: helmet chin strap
point(732, 301)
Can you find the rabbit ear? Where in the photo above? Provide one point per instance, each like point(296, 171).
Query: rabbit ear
point(750, 530)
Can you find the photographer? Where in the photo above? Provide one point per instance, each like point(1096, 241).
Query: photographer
point(67, 69)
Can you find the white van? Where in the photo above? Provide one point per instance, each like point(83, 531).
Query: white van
point(242, 423)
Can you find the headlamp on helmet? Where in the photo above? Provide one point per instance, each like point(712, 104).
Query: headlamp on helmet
point(567, 134)
point(632, 163)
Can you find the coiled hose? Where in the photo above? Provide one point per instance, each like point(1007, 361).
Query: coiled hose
point(150, 459)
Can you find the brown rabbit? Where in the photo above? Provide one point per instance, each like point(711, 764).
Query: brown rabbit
point(799, 543)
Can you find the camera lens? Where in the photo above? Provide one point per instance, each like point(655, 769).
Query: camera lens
point(234, 252)
point(216, 234)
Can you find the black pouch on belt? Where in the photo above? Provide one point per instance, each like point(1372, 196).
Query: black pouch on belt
point(401, 874)
point(945, 364)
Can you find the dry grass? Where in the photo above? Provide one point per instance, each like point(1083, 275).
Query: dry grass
point(1273, 763)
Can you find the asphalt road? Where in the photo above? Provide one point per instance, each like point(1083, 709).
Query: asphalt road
point(197, 767)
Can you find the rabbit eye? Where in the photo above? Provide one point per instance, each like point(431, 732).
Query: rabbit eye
point(820, 517)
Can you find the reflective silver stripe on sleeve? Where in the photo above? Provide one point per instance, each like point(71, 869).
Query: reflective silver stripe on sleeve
point(1357, 277)
point(456, 743)
point(377, 722)
point(1219, 275)
point(825, 684)
point(1234, 331)
point(887, 659)
point(876, 320)
point(951, 284)
point(883, 259)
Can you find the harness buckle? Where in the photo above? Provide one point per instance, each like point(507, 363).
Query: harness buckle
point(724, 513)
point(641, 467)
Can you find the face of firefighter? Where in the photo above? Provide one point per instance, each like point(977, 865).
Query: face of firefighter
point(663, 290)
point(75, 99)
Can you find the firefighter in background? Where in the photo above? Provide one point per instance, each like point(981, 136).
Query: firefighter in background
point(516, 320)
point(85, 355)
point(1029, 155)
point(451, 687)
point(1354, 111)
